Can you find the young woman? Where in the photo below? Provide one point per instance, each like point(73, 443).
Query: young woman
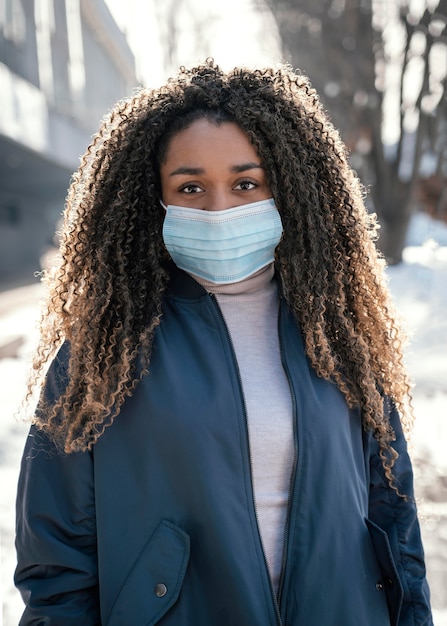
point(219, 439)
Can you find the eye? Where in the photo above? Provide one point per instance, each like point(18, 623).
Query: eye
point(246, 185)
point(191, 188)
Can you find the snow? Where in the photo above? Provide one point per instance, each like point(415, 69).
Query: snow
point(419, 288)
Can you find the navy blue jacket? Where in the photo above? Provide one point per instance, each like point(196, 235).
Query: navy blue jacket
point(157, 524)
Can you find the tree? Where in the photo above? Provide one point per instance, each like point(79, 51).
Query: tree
point(184, 31)
point(380, 69)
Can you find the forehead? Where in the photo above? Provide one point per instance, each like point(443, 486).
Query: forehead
point(207, 141)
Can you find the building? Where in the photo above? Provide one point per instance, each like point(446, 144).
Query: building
point(63, 63)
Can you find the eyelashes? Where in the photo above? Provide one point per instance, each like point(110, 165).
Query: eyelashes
point(244, 185)
point(191, 188)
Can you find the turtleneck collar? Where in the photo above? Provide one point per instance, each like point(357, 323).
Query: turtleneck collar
point(252, 284)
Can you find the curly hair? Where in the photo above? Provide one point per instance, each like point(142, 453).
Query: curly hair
point(105, 297)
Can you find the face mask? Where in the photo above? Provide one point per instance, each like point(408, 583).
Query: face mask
point(223, 246)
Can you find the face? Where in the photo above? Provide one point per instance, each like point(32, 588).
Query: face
point(211, 168)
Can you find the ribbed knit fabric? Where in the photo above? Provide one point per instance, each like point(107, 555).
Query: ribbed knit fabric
point(250, 309)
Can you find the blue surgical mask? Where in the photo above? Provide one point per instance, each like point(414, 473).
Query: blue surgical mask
point(223, 246)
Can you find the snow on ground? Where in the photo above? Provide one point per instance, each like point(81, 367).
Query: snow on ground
point(18, 312)
point(419, 287)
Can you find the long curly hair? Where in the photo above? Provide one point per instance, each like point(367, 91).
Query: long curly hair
point(105, 297)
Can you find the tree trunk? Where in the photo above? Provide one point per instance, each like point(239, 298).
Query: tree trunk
point(393, 205)
point(392, 236)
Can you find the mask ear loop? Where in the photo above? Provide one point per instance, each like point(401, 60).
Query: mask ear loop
point(163, 204)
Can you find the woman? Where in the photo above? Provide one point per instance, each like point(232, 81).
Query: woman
point(218, 440)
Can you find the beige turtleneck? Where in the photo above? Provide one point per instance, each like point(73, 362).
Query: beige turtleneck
point(250, 309)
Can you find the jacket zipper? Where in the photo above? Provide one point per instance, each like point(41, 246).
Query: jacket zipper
point(295, 459)
point(244, 407)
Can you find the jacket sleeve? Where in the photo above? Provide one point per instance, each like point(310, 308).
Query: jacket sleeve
point(56, 529)
point(397, 516)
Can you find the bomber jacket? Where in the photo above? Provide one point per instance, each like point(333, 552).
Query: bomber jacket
point(157, 523)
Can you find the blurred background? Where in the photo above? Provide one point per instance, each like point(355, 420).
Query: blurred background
point(380, 67)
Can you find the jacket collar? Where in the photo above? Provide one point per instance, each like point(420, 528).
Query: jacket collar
point(182, 285)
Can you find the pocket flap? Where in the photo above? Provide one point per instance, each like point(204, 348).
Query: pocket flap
point(391, 581)
point(154, 582)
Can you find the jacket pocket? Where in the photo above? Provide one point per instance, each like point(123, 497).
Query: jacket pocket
point(390, 578)
point(154, 582)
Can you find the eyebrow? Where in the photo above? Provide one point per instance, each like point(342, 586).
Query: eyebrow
point(197, 171)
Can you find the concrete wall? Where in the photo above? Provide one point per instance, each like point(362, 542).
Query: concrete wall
point(63, 63)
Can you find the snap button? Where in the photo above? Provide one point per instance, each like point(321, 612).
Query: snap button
point(160, 590)
point(379, 585)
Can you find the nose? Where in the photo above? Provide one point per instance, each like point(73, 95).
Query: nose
point(220, 200)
